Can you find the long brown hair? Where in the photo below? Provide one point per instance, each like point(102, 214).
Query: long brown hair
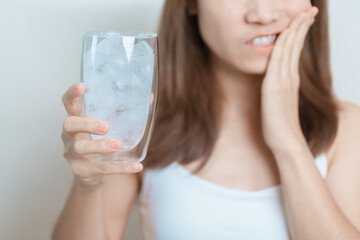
point(187, 117)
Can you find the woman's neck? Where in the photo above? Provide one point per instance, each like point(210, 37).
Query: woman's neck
point(241, 92)
point(241, 122)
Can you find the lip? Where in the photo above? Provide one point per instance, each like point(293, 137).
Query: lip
point(261, 48)
point(263, 35)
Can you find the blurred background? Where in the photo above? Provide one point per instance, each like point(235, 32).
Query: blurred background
point(40, 43)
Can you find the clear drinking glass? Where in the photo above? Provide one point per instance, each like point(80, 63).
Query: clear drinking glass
point(120, 73)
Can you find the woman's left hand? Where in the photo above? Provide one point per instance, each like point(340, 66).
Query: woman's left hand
point(280, 87)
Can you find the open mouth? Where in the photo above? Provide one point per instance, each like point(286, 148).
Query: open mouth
point(264, 41)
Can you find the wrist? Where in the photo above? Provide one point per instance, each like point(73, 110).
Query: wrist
point(291, 143)
point(88, 183)
point(296, 148)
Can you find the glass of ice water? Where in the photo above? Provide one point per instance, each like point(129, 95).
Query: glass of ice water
point(120, 73)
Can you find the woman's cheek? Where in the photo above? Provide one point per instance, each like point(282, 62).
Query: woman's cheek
point(215, 34)
point(294, 7)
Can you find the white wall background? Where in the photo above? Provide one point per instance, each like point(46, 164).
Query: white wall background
point(40, 45)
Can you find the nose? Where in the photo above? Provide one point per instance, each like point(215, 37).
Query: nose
point(262, 12)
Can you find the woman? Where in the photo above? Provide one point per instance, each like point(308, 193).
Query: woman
point(280, 150)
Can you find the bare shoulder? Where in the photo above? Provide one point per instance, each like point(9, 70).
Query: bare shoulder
point(349, 108)
point(348, 138)
point(343, 178)
point(349, 118)
point(348, 130)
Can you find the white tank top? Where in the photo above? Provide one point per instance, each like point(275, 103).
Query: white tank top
point(175, 204)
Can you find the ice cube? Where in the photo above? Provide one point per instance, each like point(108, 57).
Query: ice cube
point(110, 46)
point(142, 48)
point(128, 43)
point(120, 82)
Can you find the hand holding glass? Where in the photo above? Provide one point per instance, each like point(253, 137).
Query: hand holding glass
point(120, 73)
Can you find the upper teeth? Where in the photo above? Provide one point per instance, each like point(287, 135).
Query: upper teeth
point(266, 40)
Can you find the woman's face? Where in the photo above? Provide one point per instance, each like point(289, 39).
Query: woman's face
point(227, 26)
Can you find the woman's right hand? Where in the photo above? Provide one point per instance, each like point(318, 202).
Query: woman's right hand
point(80, 150)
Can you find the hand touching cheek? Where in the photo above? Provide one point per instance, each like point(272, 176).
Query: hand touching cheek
point(280, 88)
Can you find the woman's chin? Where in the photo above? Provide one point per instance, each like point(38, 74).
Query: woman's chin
point(254, 68)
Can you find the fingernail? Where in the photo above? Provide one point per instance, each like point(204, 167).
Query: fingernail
point(314, 12)
point(114, 144)
point(75, 88)
point(136, 167)
point(101, 127)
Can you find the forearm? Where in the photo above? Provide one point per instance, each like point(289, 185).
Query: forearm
point(82, 217)
point(311, 209)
